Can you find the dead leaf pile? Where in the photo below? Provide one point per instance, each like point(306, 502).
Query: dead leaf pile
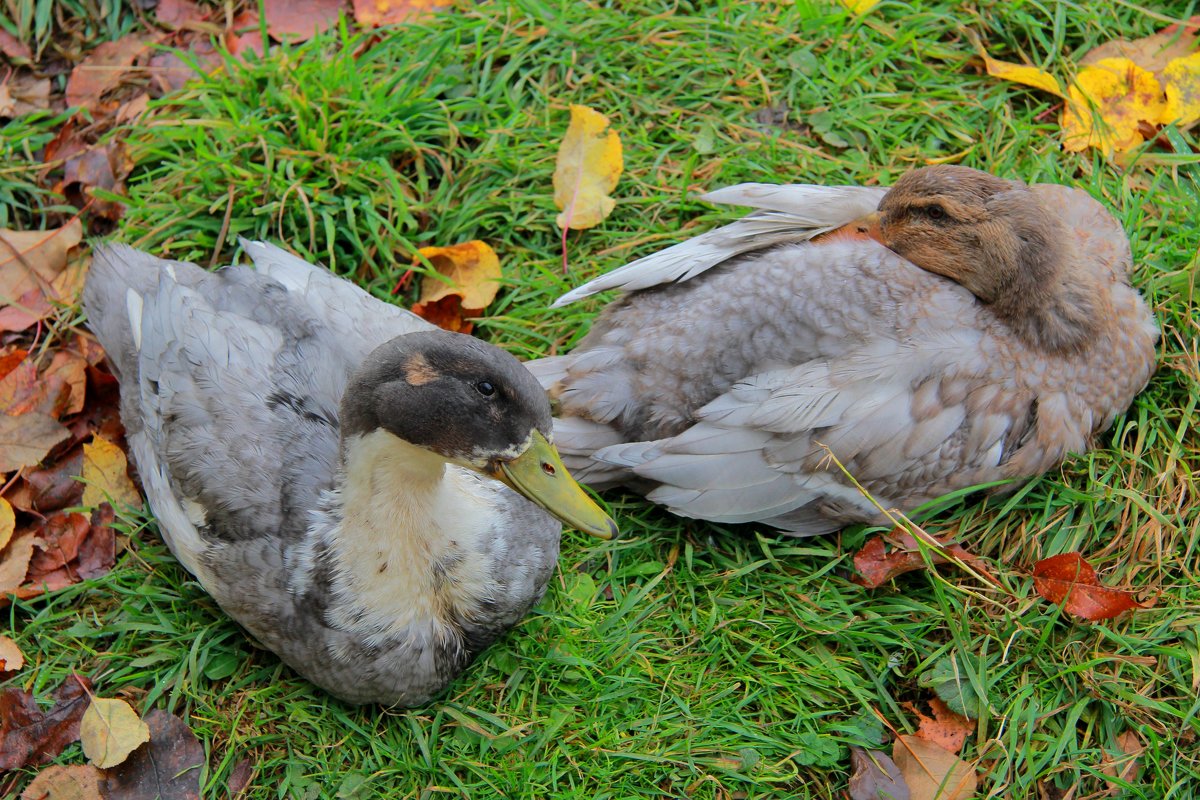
point(1124, 91)
point(922, 766)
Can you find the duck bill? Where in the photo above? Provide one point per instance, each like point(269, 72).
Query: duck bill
point(540, 475)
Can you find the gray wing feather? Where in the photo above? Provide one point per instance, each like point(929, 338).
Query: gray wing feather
point(788, 214)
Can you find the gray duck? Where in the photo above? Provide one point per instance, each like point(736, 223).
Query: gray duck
point(365, 494)
point(958, 329)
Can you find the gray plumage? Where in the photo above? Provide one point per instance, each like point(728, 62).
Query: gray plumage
point(1006, 337)
point(232, 389)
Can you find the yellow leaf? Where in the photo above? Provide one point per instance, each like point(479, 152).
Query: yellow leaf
point(860, 7)
point(932, 772)
point(110, 730)
point(8, 522)
point(1107, 102)
point(1181, 79)
point(10, 655)
point(589, 165)
point(468, 277)
point(106, 475)
point(1023, 74)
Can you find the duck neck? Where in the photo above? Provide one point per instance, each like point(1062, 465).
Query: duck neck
point(1061, 313)
point(411, 552)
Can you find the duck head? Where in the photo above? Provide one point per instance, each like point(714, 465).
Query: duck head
point(474, 405)
point(997, 240)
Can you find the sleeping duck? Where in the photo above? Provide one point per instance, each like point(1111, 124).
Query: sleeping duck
point(365, 494)
point(957, 330)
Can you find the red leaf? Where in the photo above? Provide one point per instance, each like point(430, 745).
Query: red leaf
point(1071, 582)
point(876, 566)
point(61, 535)
point(299, 20)
point(30, 737)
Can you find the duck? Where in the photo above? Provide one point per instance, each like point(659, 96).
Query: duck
point(955, 330)
point(374, 500)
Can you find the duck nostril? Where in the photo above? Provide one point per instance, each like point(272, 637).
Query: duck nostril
point(548, 468)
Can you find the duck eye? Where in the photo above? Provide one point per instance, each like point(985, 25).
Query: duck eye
point(485, 388)
point(935, 212)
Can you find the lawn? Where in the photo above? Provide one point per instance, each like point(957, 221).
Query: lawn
point(686, 659)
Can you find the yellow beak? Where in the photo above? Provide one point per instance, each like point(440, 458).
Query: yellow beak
point(539, 474)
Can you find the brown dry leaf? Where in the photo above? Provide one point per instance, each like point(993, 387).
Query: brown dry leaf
point(178, 13)
point(932, 772)
point(30, 736)
point(1181, 80)
point(59, 539)
point(1023, 74)
point(589, 165)
point(169, 71)
point(876, 566)
point(239, 778)
point(33, 259)
point(105, 68)
point(101, 166)
point(874, 776)
point(1071, 582)
point(168, 767)
point(31, 308)
point(14, 562)
point(1124, 768)
point(14, 48)
point(300, 20)
point(8, 523)
point(11, 658)
point(53, 487)
point(25, 440)
point(23, 94)
point(374, 13)
point(945, 728)
point(106, 475)
point(72, 368)
point(244, 35)
point(110, 730)
point(76, 782)
point(469, 279)
point(1107, 104)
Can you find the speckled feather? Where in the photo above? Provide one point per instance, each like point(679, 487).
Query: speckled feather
point(231, 388)
point(717, 394)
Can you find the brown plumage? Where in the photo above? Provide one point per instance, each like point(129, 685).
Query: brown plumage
point(992, 333)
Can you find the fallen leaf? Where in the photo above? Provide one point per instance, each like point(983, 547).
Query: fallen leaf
point(104, 69)
point(1125, 768)
point(29, 736)
point(1151, 52)
point(72, 368)
point(60, 535)
point(1071, 582)
point(25, 440)
point(11, 658)
point(168, 767)
point(101, 166)
point(467, 279)
point(588, 167)
point(374, 13)
point(106, 475)
point(8, 523)
point(31, 308)
point(14, 562)
point(859, 7)
point(54, 487)
point(14, 48)
point(239, 778)
point(33, 259)
point(245, 35)
point(57, 782)
point(110, 730)
point(874, 776)
point(1023, 74)
point(20, 389)
point(1107, 104)
point(931, 772)
point(178, 13)
point(169, 71)
point(946, 728)
point(1181, 80)
point(300, 20)
point(23, 94)
point(876, 566)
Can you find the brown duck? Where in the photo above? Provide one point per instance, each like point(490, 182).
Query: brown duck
point(970, 330)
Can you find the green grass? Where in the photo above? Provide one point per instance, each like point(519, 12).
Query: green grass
point(688, 659)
